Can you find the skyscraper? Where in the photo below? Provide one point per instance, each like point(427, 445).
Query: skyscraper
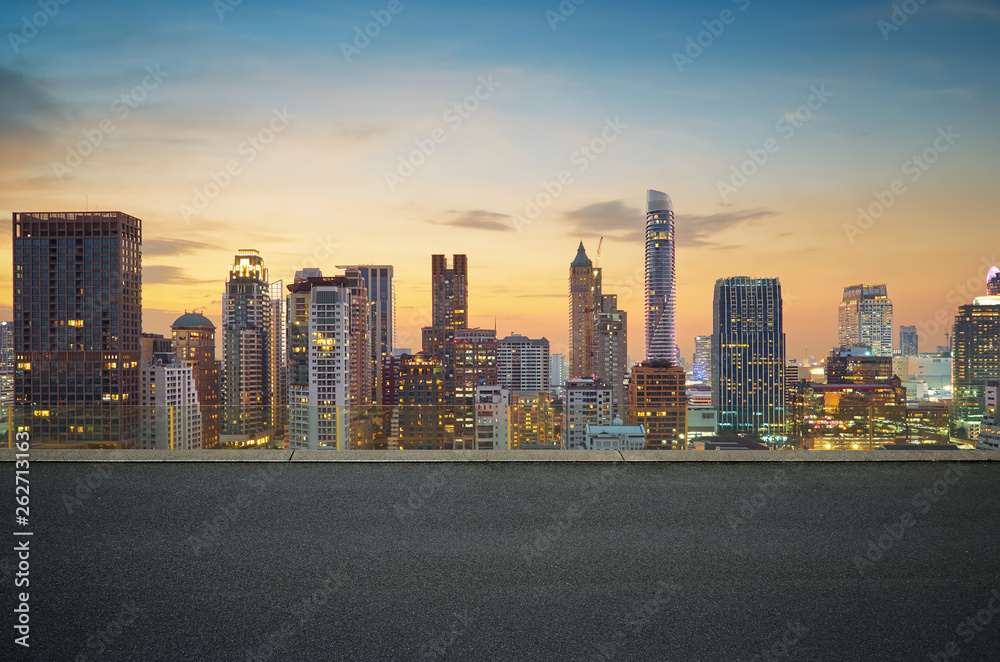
point(449, 311)
point(702, 370)
point(360, 372)
point(246, 343)
point(865, 319)
point(611, 349)
point(193, 342)
point(319, 332)
point(523, 363)
point(584, 295)
point(661, 341)
point(975, 351)
point(278, 356)
point(993, 282)
point(557, 374)
point(748, 356)
point(77, 326)
point(657, 400)
point(908, 341)
point(475, 364)
point(378, 280)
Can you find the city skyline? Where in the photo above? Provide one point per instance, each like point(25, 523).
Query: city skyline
point(326, 130)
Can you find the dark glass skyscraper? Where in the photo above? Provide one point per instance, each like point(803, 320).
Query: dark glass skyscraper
point(661, 294)
point(748, 356)
point(77, 327)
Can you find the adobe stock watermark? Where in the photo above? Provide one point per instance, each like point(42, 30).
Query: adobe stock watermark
point(454, 117)
point(565, 9)
point(750, 507)
point(223, 7)
point(961, 294)
point(786, 126)
point(913, 169)
point(31, 25)
point(372, 29)
point(714, 28)
point(254, 144)
point(790, 635)
point(901, 13)
point(121, 107)
point(581, 158)
point(969, 628)
point(922, 501)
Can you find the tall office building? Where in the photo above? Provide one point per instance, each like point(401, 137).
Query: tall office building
point(278, 356)
point(584, 295)
point(657, 400)
point(702, 365)
point(449, 312)
point(993, 282)
point(661, 339)
point(523, 363)
point(865, 319)
point(378, 279)
point(557, 374)
point(170, 413)
point(611, 349)
point(475, 364)
point(748, 356)
point(246, 343)
point(975, 351)
point(319, 365)
point(6, 369)
point(423, 417)
point(858, 365)
point(193, 342)
point(908, 341)
point(77, 326)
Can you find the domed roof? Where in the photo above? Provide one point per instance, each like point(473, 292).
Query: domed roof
point(193, 319)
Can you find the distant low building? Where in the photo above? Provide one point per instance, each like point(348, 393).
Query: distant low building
point(989, 429)
point(616, 437)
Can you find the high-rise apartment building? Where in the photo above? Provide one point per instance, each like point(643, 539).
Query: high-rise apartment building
point(588, 402)
point(748, 356)
point(908, 342)
point(611, 349)
point(193, 343)
point(975, 350)
point(77, 325)
point(993, 282)
point(246, 343)
point(535, 424)
point(319, 365)
point(423, 417)
point(449, 312)
point(278, 356)
point(475, 364)
point(170, 413)
point(523, 363)
point(657, 401)
point(661, 339)
point(989, 429)
point(378, 279)
point(702, 365)
point(865, 319)
point(584, 294)
point(492, 417)
point(360, 372)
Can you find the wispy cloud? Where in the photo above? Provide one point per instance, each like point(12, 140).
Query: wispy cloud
point(24, 105)
point(166, 275)
point(163, 247)
point(618, 221)
point(966, 7)
point(476, 219)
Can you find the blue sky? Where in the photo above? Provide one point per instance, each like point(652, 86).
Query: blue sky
point(323, 178)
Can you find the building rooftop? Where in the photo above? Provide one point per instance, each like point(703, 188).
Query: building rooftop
point(193, 319)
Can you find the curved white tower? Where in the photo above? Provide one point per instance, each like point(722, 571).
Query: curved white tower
point(661, 342)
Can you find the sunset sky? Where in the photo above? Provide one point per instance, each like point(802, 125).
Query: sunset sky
point(200, 78)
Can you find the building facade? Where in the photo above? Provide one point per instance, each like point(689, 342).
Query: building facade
point(661, 275)
point(865, 319)
point(557, 374)
point(588, 402)
point(278, 356)
point(423, 417)
point(192, 340)
point(77, 326)
point(657, 400)
point(584, 293)
point(475, 364)
point(492, 417)
point(975, 350)
point(319, 343)
point(246, 343)
point(989, 429)
point(701, 370)
point(171, 418)
point(523, 364)
point(611, 349)
point(857, 365)
point(378, 280)
point(909, 344)
point(449, 312)
point(748, 357)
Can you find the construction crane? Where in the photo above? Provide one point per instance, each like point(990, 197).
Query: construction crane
point(597, 263)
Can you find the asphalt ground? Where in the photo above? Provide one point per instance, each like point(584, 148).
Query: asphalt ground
point(510, 561)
